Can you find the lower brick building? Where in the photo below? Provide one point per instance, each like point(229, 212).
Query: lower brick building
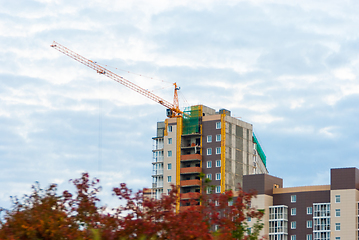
point(326, 212)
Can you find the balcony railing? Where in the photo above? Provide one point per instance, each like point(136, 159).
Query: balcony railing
point(190, 195)
point(157, 144)
point(189, 183)
point(192, 145)
point(186, 208)
point(190, 170)
point(157, 185)
point(191, 157)
point(157, 172)
point(157, 147)
point(157, 159)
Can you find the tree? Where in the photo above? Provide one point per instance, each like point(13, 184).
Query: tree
point(46, 215)
point(41, 215)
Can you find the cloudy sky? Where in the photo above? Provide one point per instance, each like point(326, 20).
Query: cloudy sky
point(288, 67)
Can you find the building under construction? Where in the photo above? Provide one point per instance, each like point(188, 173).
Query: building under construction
point(195, 141)
point(221, 147)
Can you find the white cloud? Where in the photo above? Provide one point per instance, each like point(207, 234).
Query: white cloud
point(265, 118)
point(299, 130)
point(332, 99)
point(296, 103)
point(344, 74)
point(327, 132)
point(321, 178)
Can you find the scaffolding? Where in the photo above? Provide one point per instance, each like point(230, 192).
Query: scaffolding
point(191, 120)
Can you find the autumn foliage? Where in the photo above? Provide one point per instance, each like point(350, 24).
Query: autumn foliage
point(46, 215)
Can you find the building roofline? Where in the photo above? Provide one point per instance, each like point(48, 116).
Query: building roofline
point(315, 188)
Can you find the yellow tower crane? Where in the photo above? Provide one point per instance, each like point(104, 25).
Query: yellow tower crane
point(172, 108)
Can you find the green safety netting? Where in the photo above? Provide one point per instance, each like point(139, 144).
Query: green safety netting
point(260, 150)
point(191, 120)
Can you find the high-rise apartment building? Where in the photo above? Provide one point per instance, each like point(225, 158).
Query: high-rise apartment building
point(204, 141)
point(327, 212)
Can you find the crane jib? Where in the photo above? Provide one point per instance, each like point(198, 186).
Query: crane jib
point(173, 108)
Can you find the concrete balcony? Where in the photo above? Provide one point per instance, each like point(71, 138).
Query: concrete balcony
point(190, 183)
point(190, 195)
point(191, 157)
point(184, 208)
point(187, 208)
point(191, 170)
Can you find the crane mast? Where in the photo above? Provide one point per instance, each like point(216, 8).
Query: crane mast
point(172, 108)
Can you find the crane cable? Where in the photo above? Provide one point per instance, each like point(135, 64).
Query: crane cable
point(137, 74)
point(140, 75)
point(99, 125)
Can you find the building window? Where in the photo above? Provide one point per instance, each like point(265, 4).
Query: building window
point(209, 164)
point(337, 226)
point(218, 176)
point(168, 191)
point(218, 150)
point(209, 175)
point(337, 212)
point(218, 125)
point(230, 202)
point(218, 163)
point(293, 225)
point(337, 198)
point(218, 137)
point(309, 237)
point(218, 189)
point(209, 151)
point(169, 153)
point(293, 211)
point(309, 224)
point(309, 210)
point(169, 178)
point(216, 227)
point(169, 128)
point(249, 219)
point(216, 203)
point(293, 198)
point(169, 166)
point(170, 141)
point(337, 238)
point(209, 190)
point(293, 237)
point(209, 138)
